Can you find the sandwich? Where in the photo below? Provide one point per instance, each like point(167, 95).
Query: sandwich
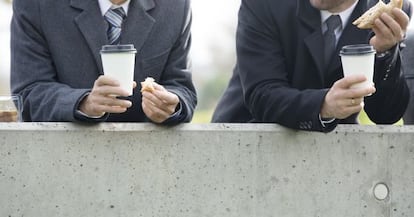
point(148, 85)
point(366, 20)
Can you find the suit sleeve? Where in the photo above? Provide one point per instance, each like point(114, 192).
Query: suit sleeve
point(177, 73)
point(264, 77)
point(33, 75)
point(390, 101)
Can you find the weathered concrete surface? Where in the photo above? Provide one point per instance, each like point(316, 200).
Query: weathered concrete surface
point(64, 169)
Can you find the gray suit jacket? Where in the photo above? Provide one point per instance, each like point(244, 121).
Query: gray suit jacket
point(55, 56)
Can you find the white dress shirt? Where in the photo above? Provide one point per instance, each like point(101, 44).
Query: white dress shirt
point(344, 15)
point(105, 5)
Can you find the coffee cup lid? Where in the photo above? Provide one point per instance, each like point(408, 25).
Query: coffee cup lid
point(357, 49)
point(118, 48)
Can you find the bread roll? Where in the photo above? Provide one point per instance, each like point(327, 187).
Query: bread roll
point(148, 85)
point(366, 20)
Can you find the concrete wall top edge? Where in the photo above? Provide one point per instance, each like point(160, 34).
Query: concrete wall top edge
point(126, 127)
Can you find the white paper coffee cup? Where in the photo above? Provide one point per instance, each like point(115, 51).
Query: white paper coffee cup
point(118, 62)
point(359, 59)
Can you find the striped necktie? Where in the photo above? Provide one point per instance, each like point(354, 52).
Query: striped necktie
point(333, 22)
point(114, 18)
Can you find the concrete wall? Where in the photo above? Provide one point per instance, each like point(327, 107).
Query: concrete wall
point(64, 169)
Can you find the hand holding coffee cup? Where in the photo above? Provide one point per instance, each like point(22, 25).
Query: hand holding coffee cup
point(118, 62)
point(346, 96)
point(341, 100)
point(103, 98)
point(359, 59)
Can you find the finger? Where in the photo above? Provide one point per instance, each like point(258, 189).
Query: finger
point(168, 108)
point(151, 97)
point(354, 109)
point(381, 29)
point(106, 80)
point(355, 93)
point(346, 111)
point(353, 102)
point(348, 81)
point(121, 103)
point(161, 98)
point(110, 91)
point(97, 108)
point(167, 97)
point(111, 109)
point(158, 87)
point(154, 110)
point(154, 113)
point(114, 102)
point(394, 27)
point(401, 18)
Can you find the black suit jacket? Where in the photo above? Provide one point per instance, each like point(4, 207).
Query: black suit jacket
point(280, 77)
point(55, 57)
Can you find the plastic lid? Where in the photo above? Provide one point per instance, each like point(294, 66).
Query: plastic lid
point(357, 49)
point(118, 48)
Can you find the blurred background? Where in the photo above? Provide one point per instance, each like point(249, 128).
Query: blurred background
point(213, 50)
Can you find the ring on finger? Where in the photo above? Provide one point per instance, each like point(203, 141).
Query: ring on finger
point(352, 101)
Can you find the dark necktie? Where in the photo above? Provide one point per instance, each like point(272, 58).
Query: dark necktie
point(114, 18)
point(333, 22)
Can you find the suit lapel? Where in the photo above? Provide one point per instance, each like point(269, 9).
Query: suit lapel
point(92, 26)
point(138, 23)
point(310, 19)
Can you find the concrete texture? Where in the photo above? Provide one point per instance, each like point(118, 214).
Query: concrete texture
point(229, 170)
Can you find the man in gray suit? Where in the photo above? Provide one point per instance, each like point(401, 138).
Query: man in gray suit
point(56, 64)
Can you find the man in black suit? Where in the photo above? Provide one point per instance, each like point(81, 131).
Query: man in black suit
point(281, 75)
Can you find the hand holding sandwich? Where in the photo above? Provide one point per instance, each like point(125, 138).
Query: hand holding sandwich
point(158, 103)
point(389, 30)
point(387, 21)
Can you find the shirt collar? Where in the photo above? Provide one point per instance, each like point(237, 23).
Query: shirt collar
point(105, 5)
point(345, 15)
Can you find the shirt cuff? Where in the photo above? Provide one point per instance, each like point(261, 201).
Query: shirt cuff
point(80, 115)
point(176, 114)
point(79, 112)
point(325, 121)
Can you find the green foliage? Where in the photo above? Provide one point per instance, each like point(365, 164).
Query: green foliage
point(211, 91)
point(204, 116)
point(364, 119)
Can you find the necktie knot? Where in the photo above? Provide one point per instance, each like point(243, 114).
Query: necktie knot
point(115, 18)
point(333, 22)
